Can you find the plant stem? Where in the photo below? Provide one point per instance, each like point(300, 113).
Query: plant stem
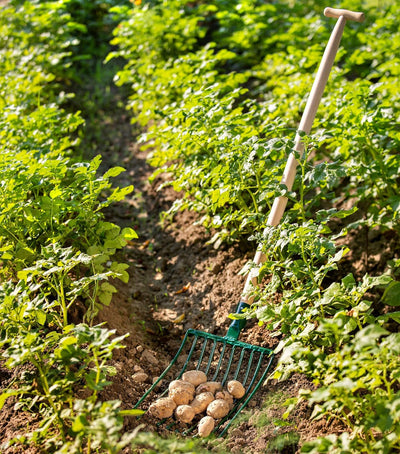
point(62, 301)
point(49, 398)
point(254, 200)
point(89, 448)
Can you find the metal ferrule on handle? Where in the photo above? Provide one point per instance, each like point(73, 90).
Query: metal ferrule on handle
point(305, 125)
point(237, 325)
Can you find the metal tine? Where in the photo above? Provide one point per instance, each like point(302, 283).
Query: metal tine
point(243, 405)
point(202, 354)
point(248, 368)
point(196, 338)
point(256, 372)
point(229, 365)
point(189, 356)
point(242, 353)
point(221, 357)
point(211, 357)
point(249, 387)
point(164, 373)
point(240, 404)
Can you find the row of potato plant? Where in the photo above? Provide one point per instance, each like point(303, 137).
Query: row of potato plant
point(56, 249)
point(219, 87)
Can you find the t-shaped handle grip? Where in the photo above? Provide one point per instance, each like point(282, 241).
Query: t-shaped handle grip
point(350, 15)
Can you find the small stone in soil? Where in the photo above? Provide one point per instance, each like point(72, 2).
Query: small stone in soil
point(139, 349)
point(149, 357)
point(119, 366)
point(236, 433)
point(140, 377)
point(137, 368)
point(216, 268)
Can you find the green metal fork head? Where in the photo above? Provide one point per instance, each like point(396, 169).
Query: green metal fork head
point(222, 359)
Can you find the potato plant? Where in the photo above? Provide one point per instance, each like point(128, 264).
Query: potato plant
point(354, 379)
point(56, 250)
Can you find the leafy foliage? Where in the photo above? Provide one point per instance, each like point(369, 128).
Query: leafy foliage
point(55, 247)
point(355, 379)
point(207, 78)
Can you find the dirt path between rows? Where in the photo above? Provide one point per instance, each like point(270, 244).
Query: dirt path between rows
point(177, 282)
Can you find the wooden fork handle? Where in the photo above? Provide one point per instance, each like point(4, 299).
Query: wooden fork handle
point(306, 122)
point(350, 15)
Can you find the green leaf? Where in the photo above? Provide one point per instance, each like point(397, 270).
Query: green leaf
point(349, 281)
point(340, 254)
point(128, 233)
point(368, 336)
point(120, 193)
point(23, 275)
point(79, 424)
point(290, 403)
point(394, 316)
point(344, 213)
point(55, 193)
point(346, 384)
point(391, 296)
point(107, 287)
point(115, 243)
point(70, 340)
point(123, 276)
point(40, 316)
point(93, 383)
point(114, 172)
point(120, 270)
point(5, 395)
point(349, 325)
point(105, 298)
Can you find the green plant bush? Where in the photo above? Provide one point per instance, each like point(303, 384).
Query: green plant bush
point(359, 387)
point(177, 74)
point(56, 248)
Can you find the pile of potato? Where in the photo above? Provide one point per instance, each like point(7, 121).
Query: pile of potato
point(193, 395)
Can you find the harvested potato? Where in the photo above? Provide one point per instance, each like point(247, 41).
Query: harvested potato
point(206, 426)
point(162, 408)
point(209, 386)
point(236, 389)
point(185, 413)
point(218, 408)
point(181, 384)
point(201, 402)
point(225, 395)
point(196, 377)
point(181, 396)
